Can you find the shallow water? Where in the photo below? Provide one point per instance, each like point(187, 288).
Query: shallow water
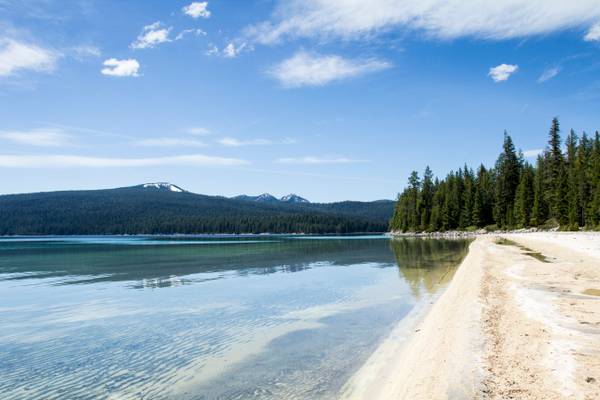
point(204, 317)
point(526, 250)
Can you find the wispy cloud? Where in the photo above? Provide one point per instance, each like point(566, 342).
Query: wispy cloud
point(170, 142)
point(212, 50)
point(532, 153)
point(593, 35)
point(16, 56)
point(439, 19)
point(306, 69)
point(84, 51)
point(69, 161)
point(121, 68)
point(311, 160)
point(197, 9)
point(502, 72)
point(151, 36)
point(233, 142)
point(185, 32)
point(87, 131)
point(47, 137)
point(548, 74)
point(197, 131)
point(231, 50)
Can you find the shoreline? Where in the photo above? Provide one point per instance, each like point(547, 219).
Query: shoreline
point(471, 234)
point(519, 320)
point(387, 234)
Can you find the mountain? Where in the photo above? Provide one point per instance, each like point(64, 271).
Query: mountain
point(169, 187)
point(266, 198)
point(263, 198)
point(163, 208)
point(269, 198)
point(293, 198)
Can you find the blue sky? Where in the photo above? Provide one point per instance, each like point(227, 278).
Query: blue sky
point(331, 100)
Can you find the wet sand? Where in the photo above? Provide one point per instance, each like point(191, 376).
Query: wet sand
point(521, 319)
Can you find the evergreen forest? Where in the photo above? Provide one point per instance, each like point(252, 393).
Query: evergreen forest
point(561, 189)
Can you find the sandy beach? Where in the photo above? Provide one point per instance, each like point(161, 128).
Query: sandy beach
point(520, 319)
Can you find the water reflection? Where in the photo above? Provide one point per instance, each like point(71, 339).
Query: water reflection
point(426, 263)
point(269, 319)
point(77, 263)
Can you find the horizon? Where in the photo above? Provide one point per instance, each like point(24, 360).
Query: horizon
point(336, 101)
point(234, 197)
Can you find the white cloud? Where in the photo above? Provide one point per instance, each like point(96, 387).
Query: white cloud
point(48, 137)
point(305, 69)
point(548, 74)
point(16, 56)
point(151, 36)
point(231, 51)
point(318, 160)
point(442, 19)
point(84, 51)
point(532, 153)
point(502, 72)
point(212, 50)
point(198, 131)
point(68, 161)
point(114, 67)
point(593, 35)
point(197, 9)
point(196, 32)
point(170, 142)
point(233, 142)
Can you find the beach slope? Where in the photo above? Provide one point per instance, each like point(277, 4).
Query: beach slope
point(521, 319)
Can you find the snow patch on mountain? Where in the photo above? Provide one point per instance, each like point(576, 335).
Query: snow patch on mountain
point(164, 186)
point(269, 198)
point(293, 198)
point(266, 197)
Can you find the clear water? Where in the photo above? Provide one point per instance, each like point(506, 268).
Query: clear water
point(204, 317)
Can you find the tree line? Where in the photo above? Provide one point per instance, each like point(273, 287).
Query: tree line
point(562, 189)
point(136, 210)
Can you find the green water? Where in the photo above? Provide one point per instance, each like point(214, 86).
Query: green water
point(204, 317)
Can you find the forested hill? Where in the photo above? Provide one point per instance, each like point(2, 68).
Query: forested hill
point(562, 189)
point(168, 209)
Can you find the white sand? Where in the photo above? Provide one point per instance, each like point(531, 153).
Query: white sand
point(508, 326)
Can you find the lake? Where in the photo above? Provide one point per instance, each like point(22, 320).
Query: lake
point(218, 317)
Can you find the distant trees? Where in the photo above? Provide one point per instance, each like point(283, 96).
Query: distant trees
point(561, 189)
point(139, 211)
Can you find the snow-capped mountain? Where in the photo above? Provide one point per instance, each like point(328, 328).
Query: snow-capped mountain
point(263, 198)
point(269, 198)
point(293, 198)
point(166, 186)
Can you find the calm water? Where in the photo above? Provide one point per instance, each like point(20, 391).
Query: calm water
point(204, 318)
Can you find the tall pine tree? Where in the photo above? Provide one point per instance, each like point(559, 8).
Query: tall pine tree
point(507, 179)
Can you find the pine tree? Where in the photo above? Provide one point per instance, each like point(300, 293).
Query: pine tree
point(508, 170)
point(426, 199)
point(524, 197)
point(436, 221)
point(582, 167)
point(556, 176)
point(539, 213)
point(468, 194)
point(482, 199)
point(452, 203)
point(414, 185)
point(573, 212)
